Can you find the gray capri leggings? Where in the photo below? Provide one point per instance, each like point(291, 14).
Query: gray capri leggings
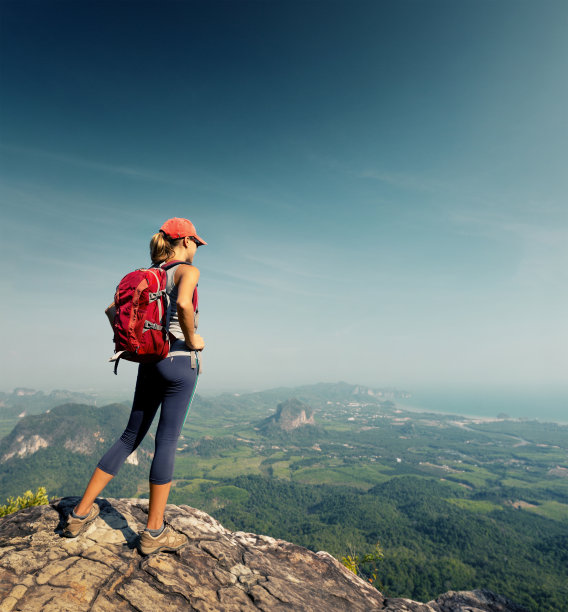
point(171, 382)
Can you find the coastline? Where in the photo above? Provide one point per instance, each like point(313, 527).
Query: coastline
point(472, 417)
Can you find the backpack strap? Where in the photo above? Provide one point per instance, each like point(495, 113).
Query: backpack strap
point(195, 299)
point(171, 264)
point(116, 358)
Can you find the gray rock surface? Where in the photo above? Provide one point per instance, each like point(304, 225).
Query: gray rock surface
point(218, 571)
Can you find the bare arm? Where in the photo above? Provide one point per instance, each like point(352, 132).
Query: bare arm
point(188, 277)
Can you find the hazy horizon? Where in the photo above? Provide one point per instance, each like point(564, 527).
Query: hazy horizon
point(382, 187)
point(541, 402)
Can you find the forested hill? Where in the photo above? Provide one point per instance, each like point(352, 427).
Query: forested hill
point(317, 396)
point(60, 448)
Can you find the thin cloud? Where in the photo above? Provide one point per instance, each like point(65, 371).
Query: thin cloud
point(212, 183)
point(283, 267)
point(265, 283)
point(60, 265)
point(92, 165)
point(404, 180)
point(542, 244)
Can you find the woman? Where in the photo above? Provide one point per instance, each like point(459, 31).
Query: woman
point(170, 382)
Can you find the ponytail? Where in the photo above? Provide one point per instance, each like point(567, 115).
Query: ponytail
point(161, 247)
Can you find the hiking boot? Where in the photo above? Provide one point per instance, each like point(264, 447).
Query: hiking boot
point(76, 525)
point(168, 540)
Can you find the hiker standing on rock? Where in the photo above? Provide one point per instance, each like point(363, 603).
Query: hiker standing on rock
point(169, 382)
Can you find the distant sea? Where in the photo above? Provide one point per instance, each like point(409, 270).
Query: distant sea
point(543, 403)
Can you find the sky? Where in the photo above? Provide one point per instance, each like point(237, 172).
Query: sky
point(382, 186)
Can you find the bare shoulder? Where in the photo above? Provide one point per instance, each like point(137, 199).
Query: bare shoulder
point(187, 273)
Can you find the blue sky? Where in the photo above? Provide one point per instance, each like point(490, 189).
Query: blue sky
point(382, 186)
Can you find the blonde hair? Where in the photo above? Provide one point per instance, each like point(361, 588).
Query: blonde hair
point(162, 247)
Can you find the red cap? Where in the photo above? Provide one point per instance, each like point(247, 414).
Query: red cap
point(180, 228)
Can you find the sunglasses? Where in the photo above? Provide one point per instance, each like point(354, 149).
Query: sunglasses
point(197, 243)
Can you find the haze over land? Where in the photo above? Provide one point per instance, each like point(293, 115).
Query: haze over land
point(382, 186)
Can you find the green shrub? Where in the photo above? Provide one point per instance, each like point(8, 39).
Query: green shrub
point(365, 566)
point(28, 499)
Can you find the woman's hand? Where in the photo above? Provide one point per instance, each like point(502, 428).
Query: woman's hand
point(197, 343)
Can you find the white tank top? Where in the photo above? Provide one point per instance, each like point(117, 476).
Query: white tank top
point(172, 290)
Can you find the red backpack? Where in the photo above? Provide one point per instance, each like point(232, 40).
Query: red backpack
point(139, 315)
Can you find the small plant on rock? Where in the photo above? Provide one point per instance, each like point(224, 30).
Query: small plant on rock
point(28, 499)
point(365, 566)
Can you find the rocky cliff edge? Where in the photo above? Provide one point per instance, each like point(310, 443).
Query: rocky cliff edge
point(218, 571)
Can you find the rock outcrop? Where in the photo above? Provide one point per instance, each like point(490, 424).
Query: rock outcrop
point(76, 428)
point(218, 571)
point(289, 415)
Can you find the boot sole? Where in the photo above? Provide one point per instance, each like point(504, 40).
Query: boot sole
point(67, 534)
point(161, 549)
